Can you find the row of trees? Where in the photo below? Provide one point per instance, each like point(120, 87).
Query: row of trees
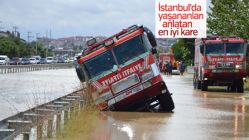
point(14, 47)
point(226, 18)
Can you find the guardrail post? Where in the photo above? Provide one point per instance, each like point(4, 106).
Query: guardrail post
point(39, 131)
point(26, 136)
point(58, 121)
point(50, 128)
point(66, 113)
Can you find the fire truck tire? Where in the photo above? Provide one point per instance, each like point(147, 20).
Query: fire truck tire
point(204, 86)
point(233, 88)
point(240, 87)
point(199, 84)
point(166, 102)
point(194, 84)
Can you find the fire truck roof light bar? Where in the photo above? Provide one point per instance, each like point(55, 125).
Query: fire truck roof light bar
point(119, 35)
point(220, 38)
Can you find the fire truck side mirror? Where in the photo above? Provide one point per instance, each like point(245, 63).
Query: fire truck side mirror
point(151, 37)
point(153, 50)
point(80, 73)
point(202, 49)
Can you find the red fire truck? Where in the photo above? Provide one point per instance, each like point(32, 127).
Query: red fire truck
point(122, 71)
point(220, 61)
point(168, 58)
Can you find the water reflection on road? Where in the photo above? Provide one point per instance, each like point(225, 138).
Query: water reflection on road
point(198, 115)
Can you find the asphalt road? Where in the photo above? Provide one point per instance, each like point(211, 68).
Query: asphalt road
point(212, 115)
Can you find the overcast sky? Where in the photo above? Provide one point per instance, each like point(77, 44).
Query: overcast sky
point(75, 17)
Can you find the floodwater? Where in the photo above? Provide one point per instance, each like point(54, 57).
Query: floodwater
point(212, 115)
point(21, 91)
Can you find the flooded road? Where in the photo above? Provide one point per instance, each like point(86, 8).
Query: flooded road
point(21, 91)
point(198, 115)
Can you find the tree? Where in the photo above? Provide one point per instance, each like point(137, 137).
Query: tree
point(229, 17)
point(183, 50)
point(14, 47)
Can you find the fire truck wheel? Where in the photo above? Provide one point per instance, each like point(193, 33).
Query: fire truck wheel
point(233, 88)
point(199, 84)
point(194, 84)
point(166, 102)
point(240, 87)
point(204, 86)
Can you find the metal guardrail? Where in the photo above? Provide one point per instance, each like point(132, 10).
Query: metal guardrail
point(4, 69)
point(52, 116)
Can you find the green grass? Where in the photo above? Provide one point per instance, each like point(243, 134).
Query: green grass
point(79, 126)
point(246, 84)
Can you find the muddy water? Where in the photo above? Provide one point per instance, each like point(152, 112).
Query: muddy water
point(198, 116)
point(20, 91)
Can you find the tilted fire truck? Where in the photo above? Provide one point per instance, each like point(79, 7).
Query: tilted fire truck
point(220, 61)
point(122, 71)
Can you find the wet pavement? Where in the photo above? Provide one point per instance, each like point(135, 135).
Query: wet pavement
point(212, 115)
point(21, 91)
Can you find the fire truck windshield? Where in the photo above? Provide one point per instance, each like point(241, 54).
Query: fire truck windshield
point(129, 50)
point(219, 48)
point(125, 53)
point(100, 64)
point(235, 48)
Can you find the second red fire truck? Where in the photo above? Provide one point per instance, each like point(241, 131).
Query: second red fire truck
point(220, 61)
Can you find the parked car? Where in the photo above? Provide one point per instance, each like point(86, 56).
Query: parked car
point(42, 61)
point(25, 61)
point(37, 60)
point(15, 61)
point(32, 60)
point(49, 60)
point(4, 60)
point(61, 60)
point(55, 60)
point(67, 60)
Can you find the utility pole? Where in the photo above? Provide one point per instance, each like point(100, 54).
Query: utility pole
point(36, 43)
point(15, 30)
point(49, 41)
point(29, 36)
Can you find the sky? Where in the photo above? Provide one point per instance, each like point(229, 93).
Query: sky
point(75, 17)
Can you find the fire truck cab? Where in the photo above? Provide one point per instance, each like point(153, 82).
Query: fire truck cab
point(168, 58)
point(220, 61)
point(123, 73)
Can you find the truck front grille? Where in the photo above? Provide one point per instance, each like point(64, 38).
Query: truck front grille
point(125, 83)
point(225, 65)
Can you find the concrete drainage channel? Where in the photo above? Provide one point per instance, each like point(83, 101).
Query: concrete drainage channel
point(43, 121)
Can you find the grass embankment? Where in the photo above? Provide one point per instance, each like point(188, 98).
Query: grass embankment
point(81, 124)
point(246, 84)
